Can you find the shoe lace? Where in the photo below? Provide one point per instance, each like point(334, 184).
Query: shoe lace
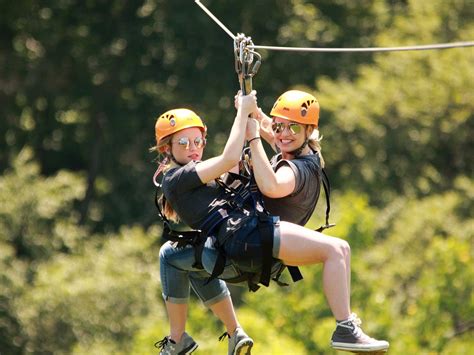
point(162, 343)
point(352, 322)
point(221, 338)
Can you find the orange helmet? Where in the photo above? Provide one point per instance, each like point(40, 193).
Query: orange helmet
point(176, 120)
point(297, 106)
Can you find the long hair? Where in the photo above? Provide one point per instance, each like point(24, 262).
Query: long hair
point(314, 143)
point(165, 159)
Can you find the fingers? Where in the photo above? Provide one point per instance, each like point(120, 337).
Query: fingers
point(259, 114)
point(239, 94)
point(246, 103)
point(252, 128)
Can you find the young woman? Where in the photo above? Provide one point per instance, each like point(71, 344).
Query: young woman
point(181, 137)
point(292, 244)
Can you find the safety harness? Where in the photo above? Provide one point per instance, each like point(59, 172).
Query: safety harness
point(245, 198)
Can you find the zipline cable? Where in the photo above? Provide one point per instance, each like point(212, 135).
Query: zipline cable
point(312, 49)
point(370, 49)
point(216, 20)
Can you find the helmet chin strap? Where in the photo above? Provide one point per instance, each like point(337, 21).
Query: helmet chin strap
point(297, 152)
point(171, 156)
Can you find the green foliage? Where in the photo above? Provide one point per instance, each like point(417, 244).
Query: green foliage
point(37, 214)
point(424, 281)
point(399, 132)
point(81, 84)
point(353, 216)
point(97, 299)
point(36, 223)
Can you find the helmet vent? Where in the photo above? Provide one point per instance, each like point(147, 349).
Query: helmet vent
point(305, 105)
point(171, 118)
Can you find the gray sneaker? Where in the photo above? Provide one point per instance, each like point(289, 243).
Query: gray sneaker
point(239, 343)
point(349, 336)
point(169, 347)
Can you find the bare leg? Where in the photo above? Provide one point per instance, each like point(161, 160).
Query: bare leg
point(224, 310)
point(177, 314)
point(302, 246)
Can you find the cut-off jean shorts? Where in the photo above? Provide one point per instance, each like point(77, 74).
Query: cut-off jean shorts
point(178, 274)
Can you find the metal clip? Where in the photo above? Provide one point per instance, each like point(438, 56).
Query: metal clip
point(245, 66)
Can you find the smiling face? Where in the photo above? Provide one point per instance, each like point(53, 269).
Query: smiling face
point(289, 135)
point(187, 144)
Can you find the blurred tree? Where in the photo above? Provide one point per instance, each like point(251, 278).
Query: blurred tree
point(423, 287)
point(37, 223)
point(405, 125)
point(80, 86)
point(83, 81)
point(96, 300)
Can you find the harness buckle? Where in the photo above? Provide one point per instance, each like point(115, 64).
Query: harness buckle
point(326, 226)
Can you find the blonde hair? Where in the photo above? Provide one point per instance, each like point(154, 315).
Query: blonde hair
point(314, 143)
point(165, 165)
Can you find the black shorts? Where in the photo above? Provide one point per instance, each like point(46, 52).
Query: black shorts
point(241, 240)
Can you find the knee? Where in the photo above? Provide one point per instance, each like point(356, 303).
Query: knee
point(341, 249)
point(345, 248)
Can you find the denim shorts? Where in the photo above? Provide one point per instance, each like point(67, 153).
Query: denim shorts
point(178, 274)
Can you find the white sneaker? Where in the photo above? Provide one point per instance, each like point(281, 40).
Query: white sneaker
point(349, 336)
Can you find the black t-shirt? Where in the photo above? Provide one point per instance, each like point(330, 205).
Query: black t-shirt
point(192, 200)
point(299, 206)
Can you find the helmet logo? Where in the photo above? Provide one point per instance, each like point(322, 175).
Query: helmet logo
point(304, 111)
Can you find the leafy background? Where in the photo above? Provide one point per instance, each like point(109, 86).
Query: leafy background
point(81, 84)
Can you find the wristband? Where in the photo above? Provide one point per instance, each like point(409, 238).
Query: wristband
point(254, 138)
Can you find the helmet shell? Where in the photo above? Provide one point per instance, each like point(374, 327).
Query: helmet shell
point(176, 120)
point(297, 106)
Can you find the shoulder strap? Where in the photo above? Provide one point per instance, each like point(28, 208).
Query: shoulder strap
point(327, 192)
point(181, 238)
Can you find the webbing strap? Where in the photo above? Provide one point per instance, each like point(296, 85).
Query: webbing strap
point(219, 265)
point(327, 193)
point(160, 211)
point(219, 268)
point(198, 249)
point(295, 273)
point(246, 276)
point(265, 228)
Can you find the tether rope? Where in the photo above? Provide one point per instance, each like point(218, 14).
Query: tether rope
point(368, 49)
